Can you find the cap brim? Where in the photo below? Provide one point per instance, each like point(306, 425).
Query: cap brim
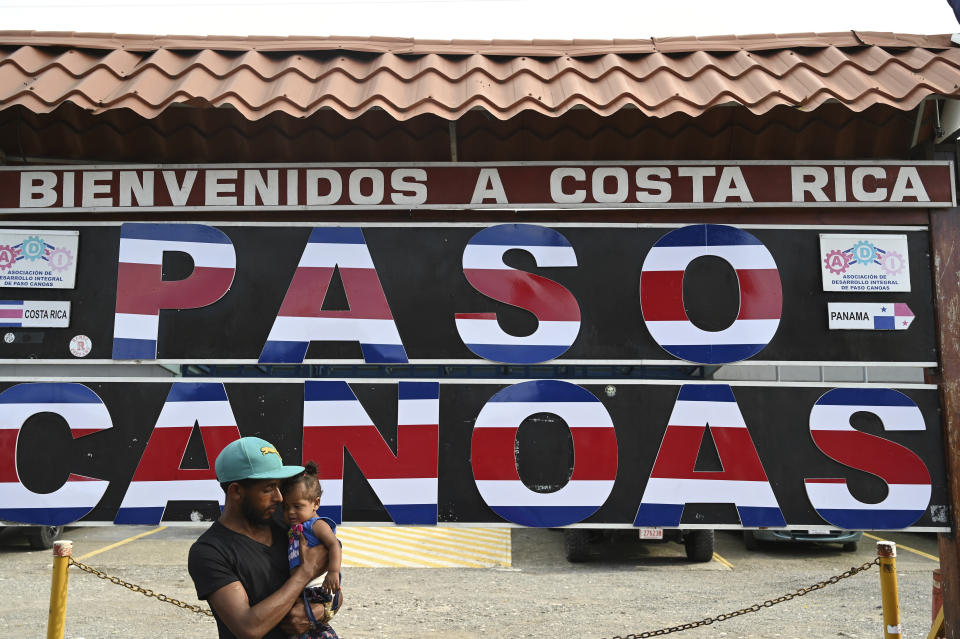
point(281, 473)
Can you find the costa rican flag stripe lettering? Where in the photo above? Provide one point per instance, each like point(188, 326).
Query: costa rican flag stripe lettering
point(661, 294)
point(555, 308)
point(85, 413)
point(905, 474)
point(405, 482)
point(674, 482)
point(159, 479)
point(142, 291)
point(493, 453)
point(302, 320)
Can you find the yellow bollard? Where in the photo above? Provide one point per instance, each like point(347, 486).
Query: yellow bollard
point(62, 551)
point(887, 553)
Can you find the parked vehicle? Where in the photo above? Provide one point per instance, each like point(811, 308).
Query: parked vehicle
point(39, 537)
point(847, 538)
point(698, 544)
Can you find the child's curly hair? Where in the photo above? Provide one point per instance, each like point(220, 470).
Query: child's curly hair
point(309, 480)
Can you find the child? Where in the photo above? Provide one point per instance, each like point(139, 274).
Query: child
point(301, 497)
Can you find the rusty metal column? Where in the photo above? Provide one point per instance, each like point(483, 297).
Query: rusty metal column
point(945, 249)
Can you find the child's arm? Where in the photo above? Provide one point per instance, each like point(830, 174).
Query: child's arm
point(324, 533)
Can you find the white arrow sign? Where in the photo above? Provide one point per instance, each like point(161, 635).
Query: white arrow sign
point(881, 316)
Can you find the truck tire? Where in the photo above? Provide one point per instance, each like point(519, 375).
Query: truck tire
point(577, 544)
point(699, 545)
point(750, 540)
point(42, 537)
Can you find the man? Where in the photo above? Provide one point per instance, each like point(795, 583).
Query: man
point(240, 563)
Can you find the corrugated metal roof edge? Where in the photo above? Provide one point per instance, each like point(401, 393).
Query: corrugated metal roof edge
point(412, 46)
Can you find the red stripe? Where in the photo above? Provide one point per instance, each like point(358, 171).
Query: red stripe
point(761, 295)
point(888, 460)
point(677, 457)
point(417, 451)
point(142, 291)
point(546, 299)
point(73, 477)
point(11, 313)
point(8, 454)
point(164, 452)
point(308, 290)
point(476, 316)
point(594, 454)
point(493, 455)
point(661, 296)
point(216, 438)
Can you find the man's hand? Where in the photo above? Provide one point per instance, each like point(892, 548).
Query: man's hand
point(296, 622)
point(314, 560)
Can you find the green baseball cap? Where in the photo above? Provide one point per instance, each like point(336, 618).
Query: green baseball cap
point(252, 458)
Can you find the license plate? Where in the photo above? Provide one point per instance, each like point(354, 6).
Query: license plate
point(651, 533)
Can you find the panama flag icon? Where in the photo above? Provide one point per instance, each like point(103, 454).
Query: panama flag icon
point(881, 316)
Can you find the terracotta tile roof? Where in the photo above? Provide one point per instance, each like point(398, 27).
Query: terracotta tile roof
point(299, 76)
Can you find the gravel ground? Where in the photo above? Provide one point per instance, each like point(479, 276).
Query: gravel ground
point(627, 587)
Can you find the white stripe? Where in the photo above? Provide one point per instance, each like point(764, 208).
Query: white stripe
point(205, 254)
point(78, 415)
point(584, 492)
point(488, 331)
point(73, 494)
point(395, 492)
point(332, 492)
point(740, 257)
point(717, 414)
point(158, 493)
point(184, 414)
point(135, 326)
point(335, 413)
point(334, 329)
point(899, 497)
point(576, 414)
point(743, 331)
point(323, 255)
point(832, 417)
point(490, 256)
point(418, 411)
point(757, 494)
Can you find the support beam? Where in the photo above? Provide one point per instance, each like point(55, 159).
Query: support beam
point(945, 246)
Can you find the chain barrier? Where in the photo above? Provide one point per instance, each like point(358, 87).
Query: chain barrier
point(755, 607)
point(144, 591)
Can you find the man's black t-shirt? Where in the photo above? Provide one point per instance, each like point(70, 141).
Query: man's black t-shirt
point(221, 556)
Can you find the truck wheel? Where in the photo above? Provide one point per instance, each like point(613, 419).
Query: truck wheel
point(42, 537)
point(850, 546)
point(577, 544)
point(699, 545)
point(750, 540)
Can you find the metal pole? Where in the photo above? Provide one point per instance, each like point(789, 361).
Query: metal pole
point(890, 597)
point(62, 551)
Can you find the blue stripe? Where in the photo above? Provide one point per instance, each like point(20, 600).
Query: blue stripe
point(197, 392)
point(519, 235)
point(857, 519)
point(173, 233)
point(44, 516)
point(884, 323)
point(413, 514)
point(545, 516)
point(659, 515)
point(760, 516)
point(11, 302)
point(337, 235)
point(864, 397)
point(713, 353)
point(282, 352)
point(384, 353)
point(331, 512)
point(144, 515)
point(544, 390)
point(11, 324)
point(693, 235)
point(518, 354)
point(418, 390)
point(49, 393)
point(706, 393)
point(327, 391)
point(723, 235)
point(127, 348)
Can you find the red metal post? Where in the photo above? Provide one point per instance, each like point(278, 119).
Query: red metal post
point(945, 246)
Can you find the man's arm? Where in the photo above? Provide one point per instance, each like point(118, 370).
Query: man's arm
point(252, 622)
